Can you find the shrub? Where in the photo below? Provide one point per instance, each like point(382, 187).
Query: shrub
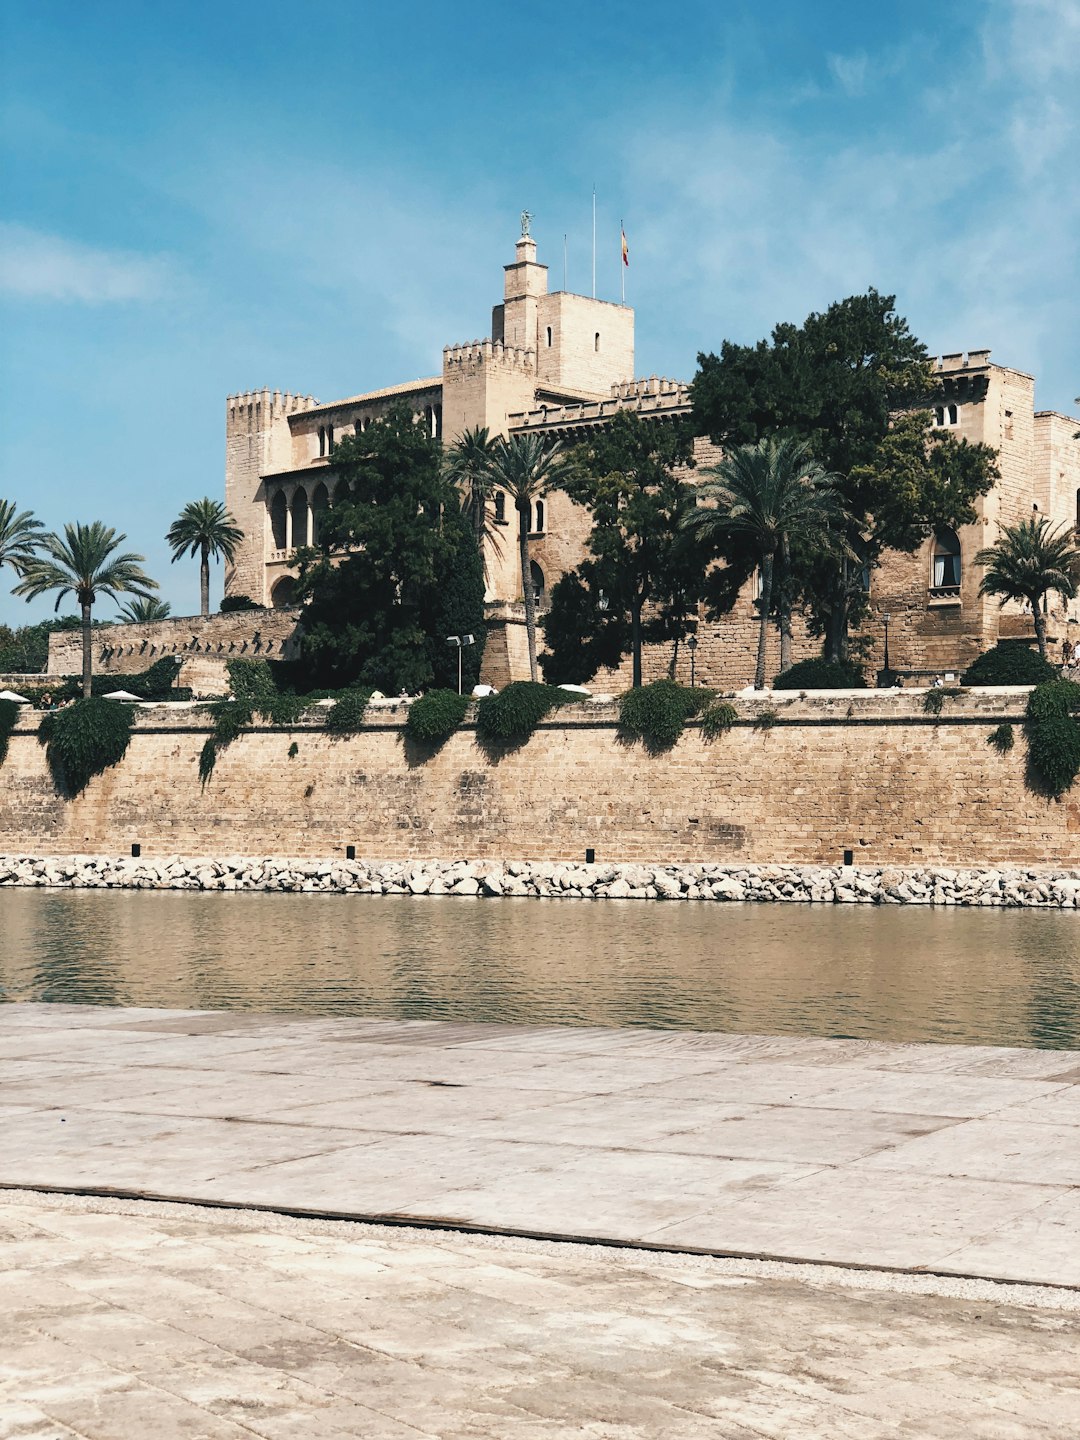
point(9, 713)
point(347, 712)
point(658, 712)
point(1001, 738)
point(819, 674)
point(717, 718)
point(1053, 734)
point(239, 602)
point(282, 710)
point(294, 750)
point(250, 679)
point(229, 718)
point(435, 716)
point(934, 700)
point(85, 739)
point(1010, 662)
point(511, 716)
point(765, 719)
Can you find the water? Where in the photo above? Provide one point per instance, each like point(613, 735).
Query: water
point(891, 973)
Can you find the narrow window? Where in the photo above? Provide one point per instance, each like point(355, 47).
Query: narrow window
point(299, 509)
point(359, 427)
point(596, 342)
point(278, 507)
point(322, 441)
point(945, 575)
point(537, 574)
point(330, 439)
point(438, 422)
point(939, 415)
point(320, 503)
point(954, 415)
point(538, 518)
point(549, 337)
point(500, 507)
point(1078, 511)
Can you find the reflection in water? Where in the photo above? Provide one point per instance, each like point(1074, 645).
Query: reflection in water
point(987, 977)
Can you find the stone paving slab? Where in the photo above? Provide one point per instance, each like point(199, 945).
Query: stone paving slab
point(945, 1158)
point(124, 1319)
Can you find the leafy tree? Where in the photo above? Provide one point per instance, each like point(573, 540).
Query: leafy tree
point(854, 383)
point(468, 466)
point(777, 498)
point(18, 536)
point(458, 607)
point(204, 528)
point(371, 617)
point(527, 467)
point(84, 563)
point(1029, 561)
point(25, 651)
point(645, 562)
point(144, 610)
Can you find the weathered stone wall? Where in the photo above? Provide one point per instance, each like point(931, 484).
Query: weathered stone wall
point(867, 772)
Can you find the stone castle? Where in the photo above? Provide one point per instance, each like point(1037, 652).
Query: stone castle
point(559, 364)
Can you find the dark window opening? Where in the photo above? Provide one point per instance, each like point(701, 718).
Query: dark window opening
point(945, 575)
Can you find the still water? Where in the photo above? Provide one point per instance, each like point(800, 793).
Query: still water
point(891, 973)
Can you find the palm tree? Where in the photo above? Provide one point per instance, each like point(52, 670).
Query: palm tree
point(204, 528)
point(83, 564)
point(144, 610)
point(527, 468)
point(777, 497)
point(1028, 562)
point(17, 539)
point(468, 465)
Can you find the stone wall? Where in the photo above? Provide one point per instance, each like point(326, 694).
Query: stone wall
point(203, 646)
point(869, 772)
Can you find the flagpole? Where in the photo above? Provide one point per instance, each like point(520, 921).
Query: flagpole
point(564, 261)
point(594, 242)
point(622, 266)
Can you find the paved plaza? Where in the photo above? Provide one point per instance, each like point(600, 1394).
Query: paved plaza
point(951, 1173)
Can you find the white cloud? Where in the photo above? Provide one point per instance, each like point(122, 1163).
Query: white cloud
point(37, 266)
point(850, 72)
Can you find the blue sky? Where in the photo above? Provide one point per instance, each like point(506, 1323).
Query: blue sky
point(201, 199)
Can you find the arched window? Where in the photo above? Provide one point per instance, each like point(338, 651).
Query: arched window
point(500, 507)
point(596, 342)
point(954, 415)
point(538, 583)
point(549, 337)
point(438, 422)
point(322, 440)
point(330, 439)
point(945, 561)
point(320, 503)
point(281, 597)
point(278, 523)
point(939, 415)
point(538, 518)
point(299, 509)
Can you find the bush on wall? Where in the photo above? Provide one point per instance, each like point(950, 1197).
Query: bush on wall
point(511, 716)
point(657, 713)
point(9, 713)
point(250, 679)
point(819, 674)
point(347, 712)
point(1054, 735)
point(1010, 662)
point(435, 716)
point(85, 739)
point(718, 718)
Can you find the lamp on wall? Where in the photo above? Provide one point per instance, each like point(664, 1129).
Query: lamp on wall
point(691, 645)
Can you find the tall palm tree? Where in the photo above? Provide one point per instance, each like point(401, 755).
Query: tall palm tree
point(527, 468)
point(83, 563)
point(774, 495)
point(144, 610)
point(1029, 561)
point(204, 528)
point(18, 540)
point(468, 465)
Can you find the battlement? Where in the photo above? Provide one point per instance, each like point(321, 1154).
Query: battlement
point(972, 360)
point(268, 404)
point(476, 353)
point(651, 398)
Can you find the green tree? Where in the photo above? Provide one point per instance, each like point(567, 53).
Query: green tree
point(458, 607)
point(373, 592)
point(527, 467)
point(468, 466)
point(18, 536)
point(204, 528)
point(855, 385)
point(144, 610)
point(644, 561)
point(777, 498)
point(1030, 561)
point(84, 563)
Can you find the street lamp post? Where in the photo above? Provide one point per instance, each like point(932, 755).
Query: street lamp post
point(886, 617)
point(460, 641)
point(691, 645)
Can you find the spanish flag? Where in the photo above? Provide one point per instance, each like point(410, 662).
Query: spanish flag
point(625, 248)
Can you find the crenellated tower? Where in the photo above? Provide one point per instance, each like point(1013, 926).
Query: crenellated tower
point(257, 442)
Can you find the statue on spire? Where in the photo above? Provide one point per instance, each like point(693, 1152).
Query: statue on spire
point(526, 221)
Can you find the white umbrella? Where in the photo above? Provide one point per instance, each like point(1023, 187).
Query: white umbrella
point(121, 695)
point(482, 690)
point(10, 695)
point(576, 689)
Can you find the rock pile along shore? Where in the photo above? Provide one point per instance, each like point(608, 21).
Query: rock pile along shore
point(851, 885)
